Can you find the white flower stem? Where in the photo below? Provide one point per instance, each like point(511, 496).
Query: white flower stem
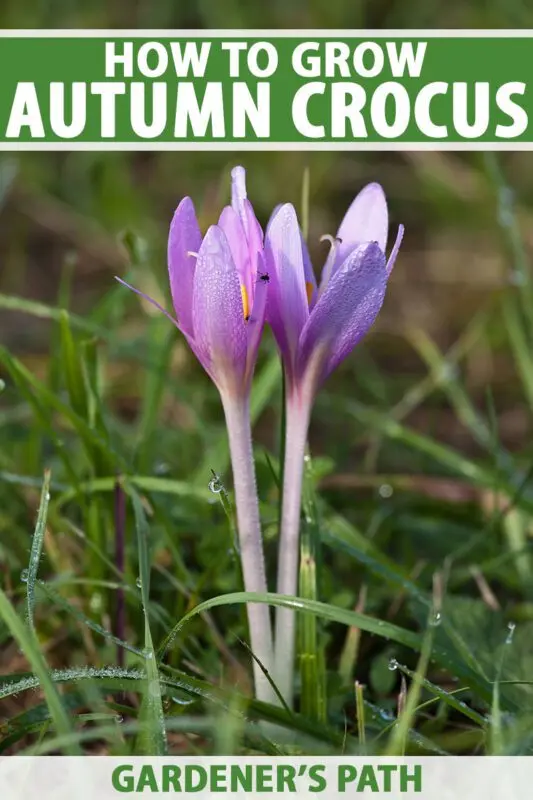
point(250, 540)
point(297, 423)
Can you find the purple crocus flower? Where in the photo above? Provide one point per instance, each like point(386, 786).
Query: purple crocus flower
point(219, 291)
point(316, 327)
point(218, 296)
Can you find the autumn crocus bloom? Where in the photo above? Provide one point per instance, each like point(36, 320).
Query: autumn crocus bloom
point(219, 289)
point(316, 327)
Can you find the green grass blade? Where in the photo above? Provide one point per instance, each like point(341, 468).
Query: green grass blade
point(152, 735)
point(36, 549)
point(447, 697)
point(519, 345)
point(311, 658)
point(60, 601)
point(47, 398)
point(145, 483)
point(72, 367)
point(325, 611)
point(29, 646)
point(399, 736)
point(42, 311)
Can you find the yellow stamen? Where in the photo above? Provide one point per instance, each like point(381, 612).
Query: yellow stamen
point(309, 289)
point(245, 303)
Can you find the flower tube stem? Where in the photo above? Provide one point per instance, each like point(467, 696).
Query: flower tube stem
point(297, 423)
point(238, 425)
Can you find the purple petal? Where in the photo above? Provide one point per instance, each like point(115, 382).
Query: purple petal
point(255, 235)
point(231, 224)
point(287, 309)
point(395, 249)
point(218, 318)
point(367, 220)
point(150, 299)
point(345, 312)
point(310, 279)
point(238, 194)
point(257, 318)
point(184, 237)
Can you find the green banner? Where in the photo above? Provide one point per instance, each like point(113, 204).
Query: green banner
point(109, 89)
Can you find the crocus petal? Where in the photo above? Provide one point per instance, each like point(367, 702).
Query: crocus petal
point(184, 238)
point(257, 317)
point(255, 235)
point(367, 220)
point(159, 307)
point(345, 312)
point(287, 307)
point(238, 194)
point(394, 251)
point(310, 279)
point(218, 319)
point(147, 297)
point(231, 224)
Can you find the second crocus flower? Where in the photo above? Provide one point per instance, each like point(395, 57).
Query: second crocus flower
point(316, 327)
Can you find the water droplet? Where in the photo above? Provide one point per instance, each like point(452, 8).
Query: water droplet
point(147, 653)
point(119, 718)
point(96, 602)
point(24, 576)
point(385, 491)
point(139, 583)
point(161, 468)
point(48, 495)
point(215, 485)
point(393, 664)
point(435, 619)
point(511, 629)
point(182, 701)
